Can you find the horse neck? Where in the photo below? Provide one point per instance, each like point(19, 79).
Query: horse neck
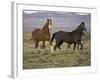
point(78, 30)
point(45, 28)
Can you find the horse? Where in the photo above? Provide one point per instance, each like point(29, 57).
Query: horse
point(69, 37)
point(42, 34)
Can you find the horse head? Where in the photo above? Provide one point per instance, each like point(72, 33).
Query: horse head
point(49, 22)
point(82, 26)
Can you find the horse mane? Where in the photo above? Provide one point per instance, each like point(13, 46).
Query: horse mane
point(45, 27)
point(78, 29)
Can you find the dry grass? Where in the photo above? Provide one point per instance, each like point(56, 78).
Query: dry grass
point(43, 58)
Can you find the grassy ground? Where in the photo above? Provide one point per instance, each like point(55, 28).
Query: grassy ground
point(43, 58)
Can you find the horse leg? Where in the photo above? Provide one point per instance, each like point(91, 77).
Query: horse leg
point(60, 44)
point(56, 45)
point(36, 44)
point(81, 46)
point(74, 46)
point(68, 46)
point(77, 46)
point(43, 44)
point(59, 47)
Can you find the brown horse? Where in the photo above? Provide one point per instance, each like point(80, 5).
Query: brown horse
point(42, 34)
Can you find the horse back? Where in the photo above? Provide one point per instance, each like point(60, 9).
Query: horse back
point(62, 35)
point(40, 35)
point(67, 36)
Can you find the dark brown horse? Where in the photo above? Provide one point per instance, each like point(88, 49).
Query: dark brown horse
point(42, 34)
point(69, 37)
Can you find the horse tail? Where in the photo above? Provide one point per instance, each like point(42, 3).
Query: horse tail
point(52, 38)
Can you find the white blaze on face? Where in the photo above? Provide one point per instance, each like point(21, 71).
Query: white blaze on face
point(49, 25)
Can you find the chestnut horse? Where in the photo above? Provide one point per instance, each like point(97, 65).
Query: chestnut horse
point(42, 34)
